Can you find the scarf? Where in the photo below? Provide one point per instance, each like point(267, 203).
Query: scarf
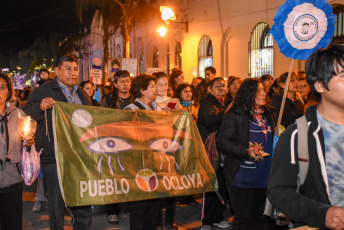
point(187, 103)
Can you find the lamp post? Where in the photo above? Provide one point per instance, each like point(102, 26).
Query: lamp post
point(167, 15)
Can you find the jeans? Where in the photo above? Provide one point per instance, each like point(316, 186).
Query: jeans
point(248, 205)
point(82, 215)
point(11, 208)
point(40, 194)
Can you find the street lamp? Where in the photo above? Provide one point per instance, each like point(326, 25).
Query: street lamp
point(167, 14)
point(162, 31)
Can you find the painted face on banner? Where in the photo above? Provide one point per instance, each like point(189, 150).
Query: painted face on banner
point(124, 156)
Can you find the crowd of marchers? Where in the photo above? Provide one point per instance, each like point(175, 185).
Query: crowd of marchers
point(257, 162)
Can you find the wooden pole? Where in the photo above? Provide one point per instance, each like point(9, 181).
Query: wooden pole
point(285, 93)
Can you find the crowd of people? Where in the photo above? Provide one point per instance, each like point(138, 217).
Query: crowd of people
point(237, 121)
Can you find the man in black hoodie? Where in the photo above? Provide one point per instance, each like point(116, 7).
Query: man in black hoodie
point(320, 201)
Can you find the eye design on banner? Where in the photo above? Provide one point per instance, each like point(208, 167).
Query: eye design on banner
point(109, 141)
point(109, 145)
point(164, 145)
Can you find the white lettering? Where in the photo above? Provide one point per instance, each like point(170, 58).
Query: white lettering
point(166, 180)
point(199, 181)
point(90, 188)
point(83, 188)
point(101, 186)
point(125, 181)
point(179, 187)
point(109, 187)
point(175, 187)
point(184, 178)
point(192, 179)
point(116, 190)
point(104, 187)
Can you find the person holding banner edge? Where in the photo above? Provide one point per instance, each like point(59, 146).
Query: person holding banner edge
point(39, 106)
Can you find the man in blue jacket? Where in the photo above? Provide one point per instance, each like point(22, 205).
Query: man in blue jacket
point(320, 200)
point(39, 106)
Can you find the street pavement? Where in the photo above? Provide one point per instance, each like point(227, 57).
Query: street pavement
point(187, 216)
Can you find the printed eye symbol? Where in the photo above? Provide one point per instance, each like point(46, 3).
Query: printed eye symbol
point(109, 145)
point(165, 145)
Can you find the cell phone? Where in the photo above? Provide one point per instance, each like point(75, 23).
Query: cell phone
point(171, 105)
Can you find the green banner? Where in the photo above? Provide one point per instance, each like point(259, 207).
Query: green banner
point(108, 156)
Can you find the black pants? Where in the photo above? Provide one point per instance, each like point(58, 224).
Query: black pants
point(170, 210)
point(112, 209)
point(11, 208)
point(213, 206)
point(145, 214)
point(82, 215)
point(248, 205)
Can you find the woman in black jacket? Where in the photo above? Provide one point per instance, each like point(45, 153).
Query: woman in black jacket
point(294, 107)
point(211, 111)
point(245, 138)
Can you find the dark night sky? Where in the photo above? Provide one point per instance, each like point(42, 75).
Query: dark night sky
point(23, 21)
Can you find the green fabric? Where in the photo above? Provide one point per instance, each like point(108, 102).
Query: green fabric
point(108, 156)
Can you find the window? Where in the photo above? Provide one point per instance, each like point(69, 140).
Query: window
point(155, 58)
point(260, 51)
point(177, 57)
point(338, 36)
point(141, 62)
point(205, 54)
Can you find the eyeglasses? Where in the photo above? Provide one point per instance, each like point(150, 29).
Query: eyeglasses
point(180, 77)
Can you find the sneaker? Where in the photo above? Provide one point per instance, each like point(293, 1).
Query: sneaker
point(37, 207)
point(206, 227)
point(112, 219)
point(222, 224)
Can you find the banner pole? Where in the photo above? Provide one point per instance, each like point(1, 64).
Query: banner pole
point(285, 93)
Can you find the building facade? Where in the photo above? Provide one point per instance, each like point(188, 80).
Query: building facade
point(231, 35)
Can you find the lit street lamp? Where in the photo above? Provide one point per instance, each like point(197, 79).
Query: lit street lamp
point(167, 14)
point(162, 31)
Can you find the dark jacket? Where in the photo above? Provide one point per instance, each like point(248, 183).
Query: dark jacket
point(50, 89)
point(95, 102)
point(308, 207)
point(292, 110)
point(233, 138)
point(210, 115)
point(199, 91)
point(115, 102)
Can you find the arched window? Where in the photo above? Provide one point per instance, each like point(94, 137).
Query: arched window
point(141, 62)
point(205, 54)
point(177, 57)
point(338, 36)
point(155, 58)
point(260, 51)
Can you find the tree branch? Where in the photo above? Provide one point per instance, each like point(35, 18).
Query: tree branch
point(123, 8)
